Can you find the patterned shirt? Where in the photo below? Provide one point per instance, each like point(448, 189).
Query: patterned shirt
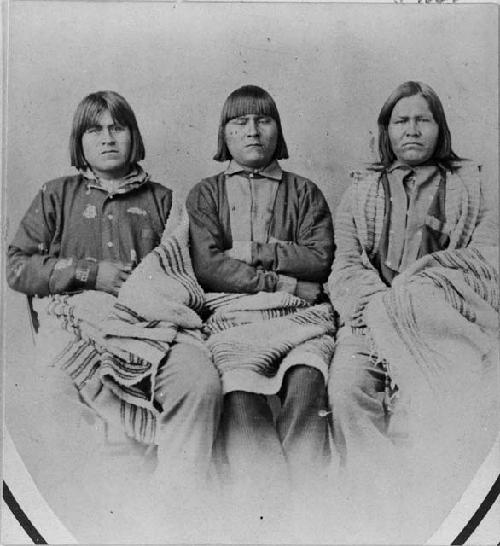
point(73, 223)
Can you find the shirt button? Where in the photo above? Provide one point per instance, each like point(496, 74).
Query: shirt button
point(110, 216)
point(110, 244)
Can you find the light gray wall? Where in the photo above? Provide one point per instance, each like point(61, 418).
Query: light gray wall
point(329, 67)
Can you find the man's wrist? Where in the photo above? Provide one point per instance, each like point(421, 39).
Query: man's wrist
point(86, 273)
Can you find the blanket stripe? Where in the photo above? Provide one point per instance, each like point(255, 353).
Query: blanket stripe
point(114, 356)
point(463, 301)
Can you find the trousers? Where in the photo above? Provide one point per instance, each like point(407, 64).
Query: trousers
point(290, 447)
point(188, 389)
point(403, 470)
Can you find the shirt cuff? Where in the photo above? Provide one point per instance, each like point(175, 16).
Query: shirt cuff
point(86, 273)
point(286, 284)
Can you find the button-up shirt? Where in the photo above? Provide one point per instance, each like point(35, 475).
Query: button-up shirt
point(412, 191)
point(73, 223)
point(251, 196)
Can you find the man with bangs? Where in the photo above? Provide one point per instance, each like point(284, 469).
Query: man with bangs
point(78, 233)
point(87, 232)
point(257, 229)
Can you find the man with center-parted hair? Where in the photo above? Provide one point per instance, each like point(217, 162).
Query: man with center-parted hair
point(256, 228)
point(87, 232)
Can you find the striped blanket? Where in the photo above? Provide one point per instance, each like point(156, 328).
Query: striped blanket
point(439, 313)
point(436, 328)
point(113, 346)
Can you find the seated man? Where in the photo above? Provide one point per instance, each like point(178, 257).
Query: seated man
point(87, 232)
point(256, 229)
point(415, 283)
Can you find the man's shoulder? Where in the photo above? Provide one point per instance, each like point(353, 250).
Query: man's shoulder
point(366, 174)
point(209, 183)
point(159, 188)
point(62, 182)
point(213, 179)
point(465, 169)
point(300, 182)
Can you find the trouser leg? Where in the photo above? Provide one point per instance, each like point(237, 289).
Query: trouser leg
point(189, 391)
point(360, 434)
point(303, 424)
point(256, 468)
point(253, 450)
point(356, 393)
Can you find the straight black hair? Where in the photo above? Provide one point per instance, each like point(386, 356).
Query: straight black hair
point(443, 152)
point(87, 115)
point(249, 99)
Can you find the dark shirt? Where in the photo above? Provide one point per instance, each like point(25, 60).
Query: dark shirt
point(301, 222)
point(71, 225)
point(433, 238)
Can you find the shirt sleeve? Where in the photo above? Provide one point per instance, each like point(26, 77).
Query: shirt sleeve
point(165, 201)
point(309, 257)
point(32, 266)
point(353, 279)
point(214, 270)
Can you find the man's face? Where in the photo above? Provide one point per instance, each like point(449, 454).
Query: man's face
point(106, 147)
point(413, 132)
point(251, 139)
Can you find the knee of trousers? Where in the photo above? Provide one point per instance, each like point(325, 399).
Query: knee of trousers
point(201, 381)
point(305, 386)
point(192, 377)
point(350, 383)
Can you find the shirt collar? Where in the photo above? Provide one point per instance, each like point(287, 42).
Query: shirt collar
point(272, 171)
point(422, 172)
point(135, 178)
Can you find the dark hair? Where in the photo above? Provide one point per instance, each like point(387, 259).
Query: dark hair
point(443, 152)
point(249, 99)
point(87, 114)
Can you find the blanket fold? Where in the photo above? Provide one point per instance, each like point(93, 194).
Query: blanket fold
point(114, 346)
point(440, 312)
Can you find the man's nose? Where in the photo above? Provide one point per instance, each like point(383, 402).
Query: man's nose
point(413, 127)
point(107, 134)
point(252, 127)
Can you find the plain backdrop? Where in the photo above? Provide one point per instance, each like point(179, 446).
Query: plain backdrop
point(329, 66)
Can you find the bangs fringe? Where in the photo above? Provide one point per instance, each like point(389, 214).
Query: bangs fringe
point(247, 104)
point(249, 99)
point(94, 110)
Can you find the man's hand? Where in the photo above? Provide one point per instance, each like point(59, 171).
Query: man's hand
point(111, 275)
point(309, 291)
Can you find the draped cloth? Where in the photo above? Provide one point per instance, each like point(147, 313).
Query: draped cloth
point(112, 347)
point(437, 330)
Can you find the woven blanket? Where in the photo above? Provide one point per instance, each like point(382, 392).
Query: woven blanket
point(440, 314)
point(436, 329)
point(113, 346)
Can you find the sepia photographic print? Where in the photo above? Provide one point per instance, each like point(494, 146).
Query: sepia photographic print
point(250, 272)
